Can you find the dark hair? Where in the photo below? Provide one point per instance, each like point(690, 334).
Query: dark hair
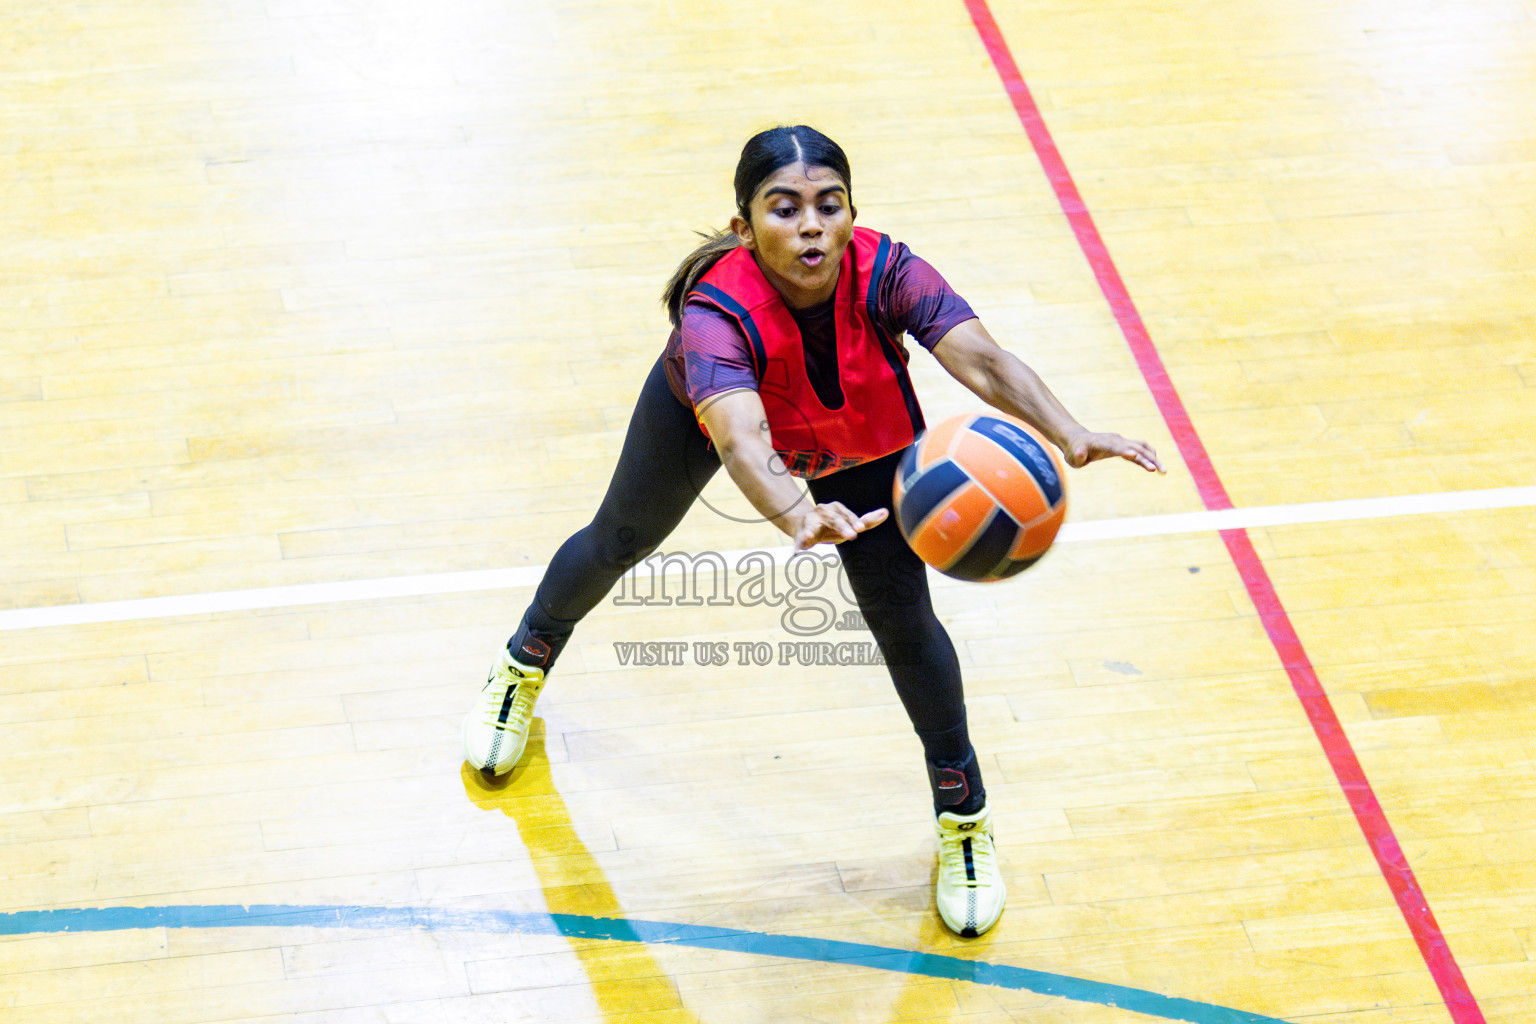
point(764, 153)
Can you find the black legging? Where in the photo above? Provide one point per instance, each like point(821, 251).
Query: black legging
point(664, 466)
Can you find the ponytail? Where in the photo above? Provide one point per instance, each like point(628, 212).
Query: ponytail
point(694, 266)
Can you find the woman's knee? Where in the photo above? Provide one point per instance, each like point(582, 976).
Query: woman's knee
point(891, 594)
point(618, 548)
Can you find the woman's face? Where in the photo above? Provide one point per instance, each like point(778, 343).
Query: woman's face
point(801, 221)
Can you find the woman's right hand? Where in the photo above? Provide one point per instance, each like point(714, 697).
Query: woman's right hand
point(739, 426)
point(834, 523)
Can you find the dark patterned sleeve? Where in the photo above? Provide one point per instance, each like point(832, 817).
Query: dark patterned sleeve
point(916, 299)
point(712, 354)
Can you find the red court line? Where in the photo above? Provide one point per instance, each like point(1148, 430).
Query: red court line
point(1277, 624)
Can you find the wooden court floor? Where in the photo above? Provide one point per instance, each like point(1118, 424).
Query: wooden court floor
point(356, 297)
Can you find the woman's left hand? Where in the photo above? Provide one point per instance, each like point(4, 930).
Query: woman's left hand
point(998, 378)
point(1086, 447)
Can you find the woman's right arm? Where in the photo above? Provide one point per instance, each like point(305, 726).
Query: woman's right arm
point(738, 425)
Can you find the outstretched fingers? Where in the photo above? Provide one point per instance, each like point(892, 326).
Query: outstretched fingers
point(1144, 456)
point(833, 523)
point(1093, 447)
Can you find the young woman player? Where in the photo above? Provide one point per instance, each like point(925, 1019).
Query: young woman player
point(785, 360)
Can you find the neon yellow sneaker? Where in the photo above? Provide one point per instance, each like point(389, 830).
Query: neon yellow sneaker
point(970, 890)
point(496, 731)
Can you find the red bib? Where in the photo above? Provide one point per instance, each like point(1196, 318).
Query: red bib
point(879, 413)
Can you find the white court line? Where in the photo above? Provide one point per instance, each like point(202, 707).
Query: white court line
point(1295, 515)
point(505, 579)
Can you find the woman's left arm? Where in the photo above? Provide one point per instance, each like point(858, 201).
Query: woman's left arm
point(1001, 379)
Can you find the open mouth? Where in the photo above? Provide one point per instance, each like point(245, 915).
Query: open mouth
point(812, 257)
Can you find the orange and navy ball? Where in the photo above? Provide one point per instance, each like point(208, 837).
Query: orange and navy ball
point(980, 496)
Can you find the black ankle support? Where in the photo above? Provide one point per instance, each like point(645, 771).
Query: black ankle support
point(957, 786)
point(535, 649)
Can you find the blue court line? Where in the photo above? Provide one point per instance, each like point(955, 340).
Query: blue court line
point(578, 926)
